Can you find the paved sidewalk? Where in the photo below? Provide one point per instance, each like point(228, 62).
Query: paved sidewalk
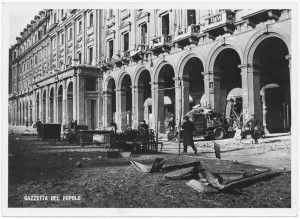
point(273, 152)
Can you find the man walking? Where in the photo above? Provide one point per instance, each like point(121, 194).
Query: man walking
point(188, 129)
point(113, 124)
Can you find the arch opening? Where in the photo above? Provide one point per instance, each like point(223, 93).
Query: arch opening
point(144, 93)
point(227, 78)
point(59, 104)
point(166, 86)
point(111, 100)
point(270, 55)
point(126, 102)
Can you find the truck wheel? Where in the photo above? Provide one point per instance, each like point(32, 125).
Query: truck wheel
point(219, 134)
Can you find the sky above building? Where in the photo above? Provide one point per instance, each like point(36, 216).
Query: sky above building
point(18, 20)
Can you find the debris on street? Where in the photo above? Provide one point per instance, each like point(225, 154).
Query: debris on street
point(156, 166)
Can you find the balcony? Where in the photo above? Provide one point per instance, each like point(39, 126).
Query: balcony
point(111, 21)
point(106, 64)
point(125, 13)
point(219, 24)
point(53, 26)
point(160, 44)
point(188, 38)
point(121, 59)
point(254, 17)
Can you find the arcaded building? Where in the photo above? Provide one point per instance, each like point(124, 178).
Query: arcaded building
point(54, 75)
point(136, 64)
point(163, 62)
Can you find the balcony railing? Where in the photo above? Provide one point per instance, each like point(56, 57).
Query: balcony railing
point(160, 44)
point(221, 19)
point(190, 37)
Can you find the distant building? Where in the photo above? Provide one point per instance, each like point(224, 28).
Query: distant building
point(55, 76)
point(136, 64)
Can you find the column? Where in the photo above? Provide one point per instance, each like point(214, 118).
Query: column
point(118, 109)
point(160, 107)
point(178, 101)
point(80, 100)
point(34, 119)
point(55, 117)
point(206, 76)
point(214, 89)
point(64, 103)
point(154, 95)
point(40, 105)
point(135, 107)
point(140, 104)
point(47, 105)
point(123, 116)
point(107, 108)
point(185, 96)
point(251, 91)
point(100, 103)
point(74, 79)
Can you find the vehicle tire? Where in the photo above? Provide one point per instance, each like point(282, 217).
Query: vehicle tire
point(219, 134)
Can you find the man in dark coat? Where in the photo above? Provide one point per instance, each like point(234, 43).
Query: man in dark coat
point(113, 124)
point(252, 122)
point(188, 129)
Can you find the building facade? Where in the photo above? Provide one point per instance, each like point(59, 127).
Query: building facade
point(53, 70)
point(136, 64)
point(163, 62)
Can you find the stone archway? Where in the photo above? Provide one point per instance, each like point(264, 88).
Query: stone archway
point(126, 102)
point(166, 88)
point(143, 93)
point(110, 101)
point(192, 83)
point(226, 77)
point(274, 76)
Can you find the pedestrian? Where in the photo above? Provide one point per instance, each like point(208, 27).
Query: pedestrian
point(188, 129)
point(145, 129)
point(252, 122)
point(113, 124)
point(27, 123)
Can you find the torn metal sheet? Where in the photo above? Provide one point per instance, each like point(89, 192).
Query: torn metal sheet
point(200, 186)
point(156, 166)
point(180, 174)
point(248, 179)
point(185, 165)
point(231, 176)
